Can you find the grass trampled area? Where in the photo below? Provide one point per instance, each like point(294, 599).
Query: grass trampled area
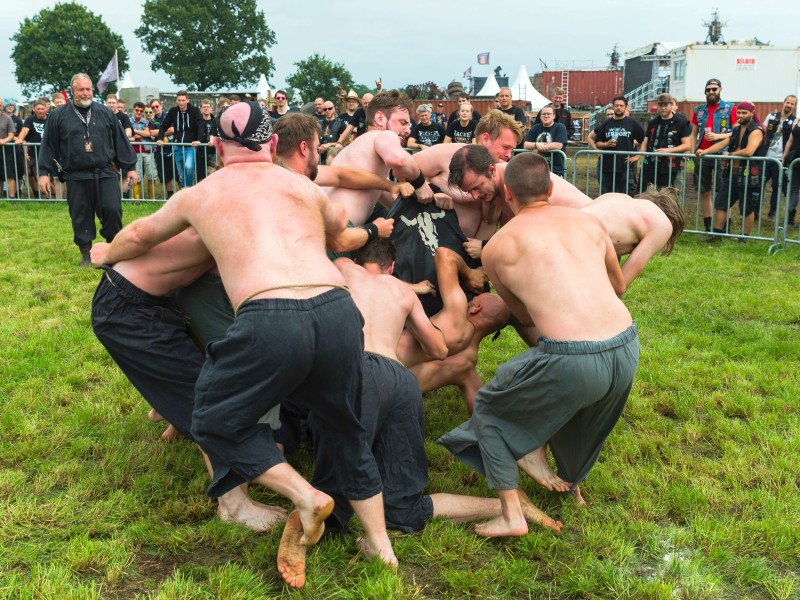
point(695, 494)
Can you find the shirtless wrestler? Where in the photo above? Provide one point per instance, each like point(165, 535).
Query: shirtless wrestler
point(296, 332)
point(391, 403)
point(639, 227)
point(298, 150)
point(133, 318)
point(572, 388)
point(473, 171)
point(464, 325)
point(378, 151)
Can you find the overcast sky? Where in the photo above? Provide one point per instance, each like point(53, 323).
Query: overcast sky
point(439, 41)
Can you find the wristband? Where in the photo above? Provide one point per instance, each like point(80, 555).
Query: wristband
point(372, 231)
point(419, 181)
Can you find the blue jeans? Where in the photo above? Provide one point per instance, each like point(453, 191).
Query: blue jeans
point(184, 164)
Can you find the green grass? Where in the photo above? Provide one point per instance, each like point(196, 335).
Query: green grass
point(695, 495)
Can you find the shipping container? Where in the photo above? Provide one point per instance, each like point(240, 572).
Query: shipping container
point(747, 72)
point(584, 88)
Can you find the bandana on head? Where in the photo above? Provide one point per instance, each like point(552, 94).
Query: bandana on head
point(746, 106)
point(258, 130)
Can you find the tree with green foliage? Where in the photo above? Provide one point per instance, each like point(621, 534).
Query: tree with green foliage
point(58, 42)
point(317, 76)
point(206, 47)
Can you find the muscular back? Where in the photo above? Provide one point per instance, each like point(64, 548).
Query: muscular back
point(264, 225)
point(553, 263)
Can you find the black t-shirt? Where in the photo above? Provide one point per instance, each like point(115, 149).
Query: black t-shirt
point(209, 128)
point(123, 120)
point(628, 134)
point(419, 230)
point(428, 135)
point(461, 134)
point(359, 121)
point(331, 130)
point(35, 129)
point(557, 132)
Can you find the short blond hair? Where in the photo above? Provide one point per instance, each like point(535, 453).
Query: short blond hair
point(495, 121)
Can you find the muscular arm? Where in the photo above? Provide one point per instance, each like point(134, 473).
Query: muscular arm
point(354, 178)
point(592, 140)
point(653, 241)
point(753, 142)
point(141, 235)
point(613, 268)
point(403, 166)
point(430, 339)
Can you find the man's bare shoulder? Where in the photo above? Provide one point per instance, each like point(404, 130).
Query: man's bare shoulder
point(436, 157)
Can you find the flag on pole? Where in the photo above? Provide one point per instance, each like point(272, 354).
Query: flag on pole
point(468, 72)
point(483, 59)
point(110, 74)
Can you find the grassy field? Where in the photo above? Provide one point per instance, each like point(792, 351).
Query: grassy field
point(695, 495)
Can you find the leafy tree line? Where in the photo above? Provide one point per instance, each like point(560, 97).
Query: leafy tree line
point(198, 48)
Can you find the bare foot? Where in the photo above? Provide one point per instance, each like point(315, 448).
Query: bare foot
point(170, 433)
point(377, 550)
point(313, 517)
point(536, 466)
point(502, 526)
point(237, 507)
point(536, 516)
point(154, 416)
point(579, 498)
point(292, 552)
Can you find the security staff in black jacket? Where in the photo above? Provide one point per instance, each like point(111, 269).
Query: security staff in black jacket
point(86, 143)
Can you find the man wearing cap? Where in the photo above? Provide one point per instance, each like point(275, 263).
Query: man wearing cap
point(666, 133)
point(778, 126)
point(712, 122)
point(357, 115)
point(296, 332)
point(741, 178)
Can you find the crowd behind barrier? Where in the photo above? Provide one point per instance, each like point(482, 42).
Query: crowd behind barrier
point(581, 169)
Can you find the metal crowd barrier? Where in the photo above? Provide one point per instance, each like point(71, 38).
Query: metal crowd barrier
point(686, 179)
point(154, 168)
point(789, 219)
point(549, 156)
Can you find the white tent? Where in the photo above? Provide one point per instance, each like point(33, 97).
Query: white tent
point(490, 89)
point(522, 89)
point(263, 88)
point(126, 82)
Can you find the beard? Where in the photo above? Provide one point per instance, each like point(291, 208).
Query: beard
point(312, 168)
point(83, 103)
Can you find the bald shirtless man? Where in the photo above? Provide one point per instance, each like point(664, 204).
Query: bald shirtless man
point(639, 227)
point(464, 325)
point(133, 318)
point(378, 151)
point(572, 388)
point(391, 404)
point(296, 332)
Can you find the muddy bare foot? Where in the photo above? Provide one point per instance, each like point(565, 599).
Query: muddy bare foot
point(579, 498)
point(502, 527)
point(313, 517)
point(154, 416)
point(382, 551)
point(535, 515)
point(170, 433)
point(237, 507)
point(292, 552)
point(536, 466)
